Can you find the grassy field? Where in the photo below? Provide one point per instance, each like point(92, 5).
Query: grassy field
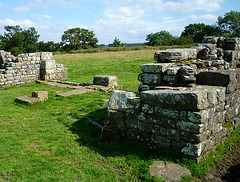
point(43, 143)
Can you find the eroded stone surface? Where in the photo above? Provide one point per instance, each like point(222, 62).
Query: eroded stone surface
point(168, 171)
point(28, 100)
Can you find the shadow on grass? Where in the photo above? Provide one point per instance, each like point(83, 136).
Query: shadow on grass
point(90, 135)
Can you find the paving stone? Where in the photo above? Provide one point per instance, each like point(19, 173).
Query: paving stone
point(28, 100)
point(167, 171)
point(73, 92)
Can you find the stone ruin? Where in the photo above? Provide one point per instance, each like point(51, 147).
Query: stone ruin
point(188, 101)
point(28, 68)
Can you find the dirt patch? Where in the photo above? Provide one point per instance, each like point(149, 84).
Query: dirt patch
point(228, 168)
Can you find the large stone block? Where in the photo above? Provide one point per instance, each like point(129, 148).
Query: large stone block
point(172, 55)
point(46, 55)
point(105, 80)
point(177, 100)
point(118, 99)
point(116, 119)
point(41, 95)
point(226, 78)
point(155, 67)
point(149, 78)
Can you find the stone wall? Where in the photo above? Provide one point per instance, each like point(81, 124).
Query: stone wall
point(27, 68)
point(185, 103)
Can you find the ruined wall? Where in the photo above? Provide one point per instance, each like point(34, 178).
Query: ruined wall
point(185, 103)
point(27, 68)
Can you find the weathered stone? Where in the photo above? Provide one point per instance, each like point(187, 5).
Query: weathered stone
point(108, 134)
point(28, 100)
point(190, 127)
point(155, 67)
point(168, 171)
point(168, 78)
point(149, 78)
point(143, 87)
point(193, 149)
point(173, 99)
point(118, 99)
point(160, 141)
point(46, 55)
point(41, 95)
point(172, 71)
point(137, 135)
point(147, 109)
point(166, 113)
point(186, 74)
point(227, 78)
point(105, 80)
point(72, 92)
point(116, 119)
point(133, 102)
point(171, 55)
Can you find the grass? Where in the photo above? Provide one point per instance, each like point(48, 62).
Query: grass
point(41, 143)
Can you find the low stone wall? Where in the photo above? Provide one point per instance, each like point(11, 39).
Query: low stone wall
point(180, 105)
point(27, 68)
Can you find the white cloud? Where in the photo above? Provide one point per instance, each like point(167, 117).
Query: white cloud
point(193, 5)
point(47, 17)
point(206, 17)
point(22, 9)
point(22, 23)
point(78, 26)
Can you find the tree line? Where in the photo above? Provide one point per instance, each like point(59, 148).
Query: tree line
point(17, 40)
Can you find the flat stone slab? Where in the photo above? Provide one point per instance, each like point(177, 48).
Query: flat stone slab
point(28, 100)
point(73, 92)
point(167, 171)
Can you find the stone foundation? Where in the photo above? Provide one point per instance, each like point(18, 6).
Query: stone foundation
point(27, 68)
point(184, 103)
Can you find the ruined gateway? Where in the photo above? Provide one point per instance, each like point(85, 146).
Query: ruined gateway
point(188, 101)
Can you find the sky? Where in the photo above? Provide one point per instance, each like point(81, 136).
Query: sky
point(128, 20)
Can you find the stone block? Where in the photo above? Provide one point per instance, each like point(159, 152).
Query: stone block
point(191, 127)
point(46, 55)
point(133, 103)
point(116, 119)
point(168, 78)
point(194, 138)
point(172, 71)
point(28, 100)
point(136, 135)
point(230, 56)
point(149, 78)
point(41, 95)
point(155, 67)
point(226, 78)
point(167, 113)
point(105, 80)
point(172, 55)
point(193, 150)
point(198, 117)
point(177, 100)
point(108, 134)
point(118, 99)
point(160, 141)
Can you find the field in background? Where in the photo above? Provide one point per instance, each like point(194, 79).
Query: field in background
point(46, 143)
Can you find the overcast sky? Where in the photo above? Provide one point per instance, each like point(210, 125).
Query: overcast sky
point(128, 20)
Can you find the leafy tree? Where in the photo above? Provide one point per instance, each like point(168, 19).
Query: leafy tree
point(160, 38)
point(49, 46)
point(117, 43)
point(229, 24)
point(77, 38)
point(17, 40)
point(198, 30)
point(182, 40)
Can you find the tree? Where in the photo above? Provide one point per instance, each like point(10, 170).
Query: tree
point(198, 30)
point(77, 38)
point(229, 24)
point(160, 38)
point(49, 46)
point(17, 40)
point(117, 43)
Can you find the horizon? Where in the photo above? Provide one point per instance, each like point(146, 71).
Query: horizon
point(127, 20)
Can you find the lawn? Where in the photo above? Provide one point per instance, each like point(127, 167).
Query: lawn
point(43, 143)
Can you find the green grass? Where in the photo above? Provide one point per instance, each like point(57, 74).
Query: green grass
point(41, 143)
